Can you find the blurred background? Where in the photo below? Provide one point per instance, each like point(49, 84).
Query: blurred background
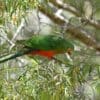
point(37, 78)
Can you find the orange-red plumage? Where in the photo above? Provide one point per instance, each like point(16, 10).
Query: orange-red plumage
point(44, 53)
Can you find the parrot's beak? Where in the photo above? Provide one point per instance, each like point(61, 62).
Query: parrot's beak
point(69, 51)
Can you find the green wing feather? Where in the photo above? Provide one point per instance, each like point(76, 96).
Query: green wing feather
point(48, 42)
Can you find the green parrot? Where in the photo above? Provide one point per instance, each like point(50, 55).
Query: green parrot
point(43, 45)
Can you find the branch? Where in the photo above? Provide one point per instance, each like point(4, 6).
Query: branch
point(94, 23)
point(74, 11)
point(65, 7)
point(76, 32)
point(83, 36)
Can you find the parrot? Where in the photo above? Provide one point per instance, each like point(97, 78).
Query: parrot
point(42, 45)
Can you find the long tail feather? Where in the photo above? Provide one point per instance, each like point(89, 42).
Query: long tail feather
point(10, 56)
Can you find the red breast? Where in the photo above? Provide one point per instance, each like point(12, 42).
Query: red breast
point(49, 54)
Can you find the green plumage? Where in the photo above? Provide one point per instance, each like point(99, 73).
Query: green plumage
point(48, 42)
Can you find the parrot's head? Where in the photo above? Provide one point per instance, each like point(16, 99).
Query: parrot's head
point(70, 50)
point(70, 47)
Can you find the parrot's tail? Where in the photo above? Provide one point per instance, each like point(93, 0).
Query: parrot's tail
point(13, 56)
point(10, 56)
